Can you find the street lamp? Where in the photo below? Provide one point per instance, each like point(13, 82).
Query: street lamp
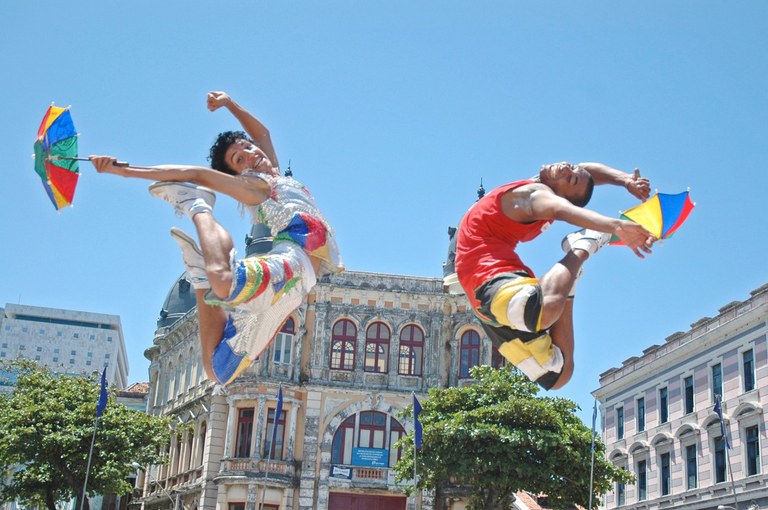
point(138, 466)
point(752, 506)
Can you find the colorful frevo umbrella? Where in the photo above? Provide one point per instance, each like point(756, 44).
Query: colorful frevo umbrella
point(661, 215)
point(56, 160)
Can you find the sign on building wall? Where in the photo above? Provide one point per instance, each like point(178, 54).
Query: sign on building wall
point(341, 472)
point(370, 457)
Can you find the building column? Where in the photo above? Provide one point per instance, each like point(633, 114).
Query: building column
point(308, 490)
point(216, 447)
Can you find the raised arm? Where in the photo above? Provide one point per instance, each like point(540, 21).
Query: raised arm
point(637, 186)
point(244, 189)
point(255, 129)
point(545, 205)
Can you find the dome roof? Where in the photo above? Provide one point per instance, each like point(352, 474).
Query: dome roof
point(180, 300)
point(181, 297)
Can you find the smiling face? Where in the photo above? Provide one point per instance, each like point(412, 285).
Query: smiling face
point(573, 183)
point(243, 155)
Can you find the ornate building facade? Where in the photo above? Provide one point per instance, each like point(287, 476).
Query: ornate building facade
point(660, 422)
point(347, 362)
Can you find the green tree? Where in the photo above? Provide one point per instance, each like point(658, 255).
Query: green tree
point(497, 437)
point(46, 428)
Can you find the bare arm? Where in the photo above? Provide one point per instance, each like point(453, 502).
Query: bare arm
point(244, 189)
point(639, 187)
point(255, 129)
point(545, 205)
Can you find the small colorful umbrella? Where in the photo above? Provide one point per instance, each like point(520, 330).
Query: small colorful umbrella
point(56, 160)
point(661, 215)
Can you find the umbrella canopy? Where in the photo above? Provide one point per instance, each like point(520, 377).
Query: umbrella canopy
point(55, 153)
point(661, 215)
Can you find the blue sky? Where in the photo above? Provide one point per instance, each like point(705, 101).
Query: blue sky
point(392, 113)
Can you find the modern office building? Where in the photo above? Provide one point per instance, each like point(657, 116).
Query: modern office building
point(65, 340)
point(659, 418)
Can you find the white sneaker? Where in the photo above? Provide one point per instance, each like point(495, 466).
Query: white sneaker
point(188, 199)
point(586, 239)
point(193, 259)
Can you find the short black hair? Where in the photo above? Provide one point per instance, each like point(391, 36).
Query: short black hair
point(587, 196)
point(219, 150)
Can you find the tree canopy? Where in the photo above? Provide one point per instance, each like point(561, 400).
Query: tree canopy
point(46, 427)
point(497, 436)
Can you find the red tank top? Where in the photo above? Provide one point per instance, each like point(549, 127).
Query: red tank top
point(487, 238)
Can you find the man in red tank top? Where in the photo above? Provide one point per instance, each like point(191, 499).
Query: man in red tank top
point(530, 320)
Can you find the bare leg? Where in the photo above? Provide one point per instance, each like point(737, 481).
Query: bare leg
point(557, 310)
point(562, 336)
point(212, 321)
point(217, 245)
point(556, 284)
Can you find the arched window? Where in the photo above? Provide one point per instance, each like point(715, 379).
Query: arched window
point(368, 429)
point(373, 426)
point(469, 352)
point(377, 348)
point(188, 375)
point(396, 431)
point(283, 343)
point(201, 444)
point(198, 370)
point(177, 461)
point(190, 455)
point(411, 350)
point(343, 340)
point(168, 383)
point(343, 439)
point(179, 387)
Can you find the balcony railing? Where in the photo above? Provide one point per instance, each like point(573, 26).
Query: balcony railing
point(278, 468)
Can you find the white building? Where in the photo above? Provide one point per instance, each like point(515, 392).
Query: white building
point(65, 340)
point(659, 420)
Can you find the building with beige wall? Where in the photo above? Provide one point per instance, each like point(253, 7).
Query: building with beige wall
point(348, 361)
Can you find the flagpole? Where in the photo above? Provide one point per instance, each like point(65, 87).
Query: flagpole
point(719, 411)
point(592, 449)
point(101, 404)
point(88, 468)
point(417, 432)
point(278, 412)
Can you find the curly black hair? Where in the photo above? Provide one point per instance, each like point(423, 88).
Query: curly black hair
point(219, 150)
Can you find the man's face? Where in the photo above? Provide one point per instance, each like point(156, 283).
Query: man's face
point(566, 180)
point(243, 155)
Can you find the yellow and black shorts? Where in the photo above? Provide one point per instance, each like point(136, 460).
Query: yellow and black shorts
point(510, 312)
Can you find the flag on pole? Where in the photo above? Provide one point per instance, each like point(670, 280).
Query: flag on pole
point(418, 431)
point(278, 412)
point(719, 413)
point(103, 397)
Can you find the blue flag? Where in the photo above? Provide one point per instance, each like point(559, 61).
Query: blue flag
point(103, 397)
point(418, 431)
point(719, 413)
point(278, 412)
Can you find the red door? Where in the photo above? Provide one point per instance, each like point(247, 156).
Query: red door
point(346, 501)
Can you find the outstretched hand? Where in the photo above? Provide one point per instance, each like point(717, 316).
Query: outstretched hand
point(639, 187)
point(217, 99)
point(637, 238)
point(106, 165)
